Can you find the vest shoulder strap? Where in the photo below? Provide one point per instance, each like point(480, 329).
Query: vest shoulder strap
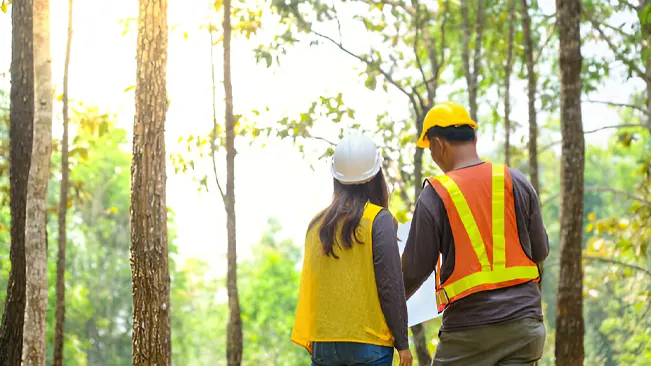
point(371, 211)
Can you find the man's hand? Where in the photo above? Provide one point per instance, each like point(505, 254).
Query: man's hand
point(405, 357)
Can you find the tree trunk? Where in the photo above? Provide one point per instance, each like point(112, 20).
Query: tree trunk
point(60, 309)
point(149, 254)
point(39, 174)
point(21, 118)
point(420, 340)
point(234, 342)
point(422, 353)
point(507, 85)
point(569, 307)
point(472, 73)
point(646, 31)
point(531, 91)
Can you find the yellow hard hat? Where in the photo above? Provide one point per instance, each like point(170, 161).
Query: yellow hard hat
point(444, 115)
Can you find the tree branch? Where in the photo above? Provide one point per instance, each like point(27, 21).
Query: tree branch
point(465, 51)
point(602, 189)
point(435, 64)
point(550, 35)
point(616, 104)
point(323, 139)
point(628, 3)
point(479, 30)
point(341, 38)
point(416, 38)
point(613, 48)
point(399, 178)
point(386, 75)
point(615, 261)
point(213, 148)
point(627, 125)
point(396, 4)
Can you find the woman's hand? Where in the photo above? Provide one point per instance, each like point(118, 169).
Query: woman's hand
point(405, 357)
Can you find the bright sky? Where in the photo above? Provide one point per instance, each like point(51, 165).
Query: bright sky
point(273, 181)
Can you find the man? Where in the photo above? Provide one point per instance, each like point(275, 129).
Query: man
point(480, 227)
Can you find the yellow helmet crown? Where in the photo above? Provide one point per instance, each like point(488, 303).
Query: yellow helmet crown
point(444, 115)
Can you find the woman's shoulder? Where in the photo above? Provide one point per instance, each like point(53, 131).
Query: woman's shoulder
point(384, 221)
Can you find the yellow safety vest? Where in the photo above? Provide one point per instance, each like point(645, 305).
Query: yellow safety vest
point(338, 299)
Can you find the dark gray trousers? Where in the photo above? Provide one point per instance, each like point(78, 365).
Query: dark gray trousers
point(519, 342)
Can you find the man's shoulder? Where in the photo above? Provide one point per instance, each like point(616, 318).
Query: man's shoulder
point(520, 181)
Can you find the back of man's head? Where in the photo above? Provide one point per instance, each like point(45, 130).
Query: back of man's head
point(452, 134)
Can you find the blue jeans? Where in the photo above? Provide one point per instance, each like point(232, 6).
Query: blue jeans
point(349, 353)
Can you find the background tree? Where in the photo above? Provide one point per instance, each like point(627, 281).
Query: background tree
point(531, 94)
point(20, 137)
point(63, 209)
point(569, 307)
point(152, 344)
point(507, 83)
point(234, 350)
point(35, 232)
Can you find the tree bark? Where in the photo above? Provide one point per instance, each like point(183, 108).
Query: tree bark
point(531, 91)
point(507, 85)
point(39, 174)
point(569, 308)
point(149, 253)
point(60, 309)
point(234, 341)
point(420, 340)
point(21, 118)
point(472, 71)
point(646, 31)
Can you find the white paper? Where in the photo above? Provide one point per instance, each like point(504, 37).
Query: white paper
point(421, 307)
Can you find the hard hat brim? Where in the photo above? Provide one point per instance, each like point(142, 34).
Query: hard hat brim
point(423, 142)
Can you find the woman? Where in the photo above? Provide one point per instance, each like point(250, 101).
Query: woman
point(351, 307)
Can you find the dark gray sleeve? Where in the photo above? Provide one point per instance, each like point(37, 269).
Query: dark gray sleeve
point(423, 245)
point(527, 206)
point(388, 277)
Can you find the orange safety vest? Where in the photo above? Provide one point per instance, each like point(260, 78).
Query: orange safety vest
point(487, 251)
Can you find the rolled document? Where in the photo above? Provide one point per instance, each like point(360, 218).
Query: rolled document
point(421, 307)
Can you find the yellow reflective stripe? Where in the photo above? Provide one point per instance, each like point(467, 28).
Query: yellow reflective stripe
point(467, 219)
point(440, 298)
point(486, 278)
point(499, 242)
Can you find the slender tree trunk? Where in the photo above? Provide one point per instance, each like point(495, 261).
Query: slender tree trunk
point(507, 85)
point(39, 174)
point(531, 91)
point(472, 72)
point(418, 330)
point(149, 253)
point(420, 343)
point(21, 119)
point(569, 306)
point(60, 309)
point(234, 343)
point(646, 31)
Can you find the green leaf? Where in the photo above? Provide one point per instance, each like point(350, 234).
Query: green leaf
point(129, 88)
point(644, 15)
point(371, 82)
point(82, 152)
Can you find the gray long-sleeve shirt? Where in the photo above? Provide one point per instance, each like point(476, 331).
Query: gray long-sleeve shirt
point(388, 278)
point(431, 234)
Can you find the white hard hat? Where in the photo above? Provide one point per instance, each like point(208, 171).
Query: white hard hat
point(356, 160)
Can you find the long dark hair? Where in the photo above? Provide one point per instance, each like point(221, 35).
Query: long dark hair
point(347, 209)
